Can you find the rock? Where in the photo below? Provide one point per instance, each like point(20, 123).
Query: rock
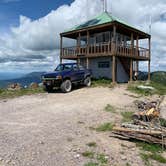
point(33, 85)
point(77, 156)
point(1, 159)
point(41, 142)
point(145, 87)
point(8, 161)
point(14, 86)
point(123, 157)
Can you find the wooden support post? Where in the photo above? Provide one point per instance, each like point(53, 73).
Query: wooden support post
point(88, 42)
point(78, 61)
point(113, 47)
point(79, 43)
point(132, 44)
point(149, 47)
point(137, 45)
point(87, 63)
point(149, 70)
point(113, 69)
point(149, 58)
point(131, 70)
point(61, 47)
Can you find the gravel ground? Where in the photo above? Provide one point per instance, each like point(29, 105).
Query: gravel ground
point(54, 129)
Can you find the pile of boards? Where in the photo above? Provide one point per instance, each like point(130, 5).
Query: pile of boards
point(145, 125)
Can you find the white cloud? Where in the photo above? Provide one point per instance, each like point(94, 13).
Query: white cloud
point(40, 38)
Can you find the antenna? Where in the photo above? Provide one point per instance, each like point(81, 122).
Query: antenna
point(150, 24)
point(104, 5)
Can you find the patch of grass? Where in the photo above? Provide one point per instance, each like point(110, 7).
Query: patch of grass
point(92, 144)
point(145, 159)
point(105, 127)
point(110, 108)
point(154, 148)
point(4, 93)
point(127, 164)
point(102, 82)
point(158, 88)
point(127, 116)
point(102, 158)
point(157, 157)
point(91, 164)
point(154, 152)
point(162, 122)
point(88, 154)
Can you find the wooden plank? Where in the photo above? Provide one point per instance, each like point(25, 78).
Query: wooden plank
point(113, 69)
point(131, 70)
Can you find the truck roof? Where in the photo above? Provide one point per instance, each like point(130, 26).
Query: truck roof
point(69, 63)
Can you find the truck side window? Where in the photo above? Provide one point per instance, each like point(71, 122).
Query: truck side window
point(75, 67)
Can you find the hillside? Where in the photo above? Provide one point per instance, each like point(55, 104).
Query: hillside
point(159, 77)
point(25, 80)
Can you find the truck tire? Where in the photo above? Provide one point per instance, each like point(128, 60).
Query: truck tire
point(87, 81)
point(66, 86)
point(48, 88)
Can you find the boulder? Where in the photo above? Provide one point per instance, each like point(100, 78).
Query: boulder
point(33, 85)
point(14, 86)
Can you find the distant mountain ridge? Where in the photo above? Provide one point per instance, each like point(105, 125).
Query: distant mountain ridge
point(158, 77)
point(24, 80)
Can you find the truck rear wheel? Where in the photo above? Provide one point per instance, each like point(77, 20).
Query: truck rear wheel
point(87, 81)
point(66, 86)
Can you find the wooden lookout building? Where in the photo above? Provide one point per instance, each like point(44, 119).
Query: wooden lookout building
point(108, 46)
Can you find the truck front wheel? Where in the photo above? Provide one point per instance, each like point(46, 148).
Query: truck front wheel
point(87, 81)
point(66, 86)
point(48, 88)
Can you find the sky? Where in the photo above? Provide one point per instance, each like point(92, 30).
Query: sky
point(29, 29)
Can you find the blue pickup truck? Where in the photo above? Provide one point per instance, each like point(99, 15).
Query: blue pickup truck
point(65, 75)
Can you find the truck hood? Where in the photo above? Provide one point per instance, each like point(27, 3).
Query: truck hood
point(51, 74)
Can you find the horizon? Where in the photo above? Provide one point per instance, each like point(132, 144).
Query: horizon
point(29, 35)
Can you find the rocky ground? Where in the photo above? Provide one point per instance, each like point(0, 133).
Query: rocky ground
point(56, 129)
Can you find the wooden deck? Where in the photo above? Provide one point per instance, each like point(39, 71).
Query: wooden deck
point(105, 49)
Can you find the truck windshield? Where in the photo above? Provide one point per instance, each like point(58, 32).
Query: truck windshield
point(64, 67)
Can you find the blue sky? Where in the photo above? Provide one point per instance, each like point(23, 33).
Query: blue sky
point(29, 29)
point(10, 10)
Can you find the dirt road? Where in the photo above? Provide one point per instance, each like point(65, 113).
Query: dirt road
point(54, 129)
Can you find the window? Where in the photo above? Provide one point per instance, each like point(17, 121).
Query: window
point(81, 67)
point(75, 67)
point(64, 67)
point(105, 64)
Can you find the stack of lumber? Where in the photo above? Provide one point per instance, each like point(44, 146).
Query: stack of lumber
point(147, 135)
point(145, 125)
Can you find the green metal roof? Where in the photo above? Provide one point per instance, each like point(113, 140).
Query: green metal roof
point(103, 18)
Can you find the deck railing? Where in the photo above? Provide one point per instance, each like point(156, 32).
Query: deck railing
point(105, 49)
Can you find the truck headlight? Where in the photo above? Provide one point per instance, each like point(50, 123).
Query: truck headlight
point(58, 77)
